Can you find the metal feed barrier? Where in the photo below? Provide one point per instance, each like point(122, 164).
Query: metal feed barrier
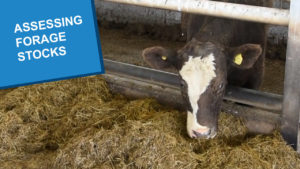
point(139, 81)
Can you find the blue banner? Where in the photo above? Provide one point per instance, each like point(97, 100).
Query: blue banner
point(43, 41)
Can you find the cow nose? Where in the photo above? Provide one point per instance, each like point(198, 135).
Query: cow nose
point(205, 133)
point(202, 132)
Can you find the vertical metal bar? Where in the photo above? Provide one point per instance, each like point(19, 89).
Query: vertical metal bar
point(291, 99)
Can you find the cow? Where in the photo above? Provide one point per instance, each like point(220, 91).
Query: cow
point(218, 52)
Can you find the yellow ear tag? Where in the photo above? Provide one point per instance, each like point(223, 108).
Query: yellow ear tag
point(164, 57)
point(238, 59)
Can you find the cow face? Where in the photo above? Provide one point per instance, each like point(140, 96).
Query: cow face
point(202, 68)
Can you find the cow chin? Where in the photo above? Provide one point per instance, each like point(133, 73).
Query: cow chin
point(195, 130)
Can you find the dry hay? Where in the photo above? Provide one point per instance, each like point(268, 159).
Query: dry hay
point(79, 124)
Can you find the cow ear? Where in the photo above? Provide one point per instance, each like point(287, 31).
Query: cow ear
point(244, 56)
point(160, 58)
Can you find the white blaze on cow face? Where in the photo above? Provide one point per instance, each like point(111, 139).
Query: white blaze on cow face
point(197, 72)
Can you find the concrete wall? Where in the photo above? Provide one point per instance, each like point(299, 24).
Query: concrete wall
point(279, 33)
point(132, 14)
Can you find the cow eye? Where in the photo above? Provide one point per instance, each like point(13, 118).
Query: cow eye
point(182, 83)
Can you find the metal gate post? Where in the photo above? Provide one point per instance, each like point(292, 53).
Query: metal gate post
point(291, 99)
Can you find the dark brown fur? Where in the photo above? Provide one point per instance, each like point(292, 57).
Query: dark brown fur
point(230, 33)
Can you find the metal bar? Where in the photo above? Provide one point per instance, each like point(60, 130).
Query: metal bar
point(134, 87)
point(291, 101)
point(142, 72)
point(220, 9)
point(255, 98)
point(244, 96)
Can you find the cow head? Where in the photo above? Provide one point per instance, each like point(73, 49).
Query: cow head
point(202, 67)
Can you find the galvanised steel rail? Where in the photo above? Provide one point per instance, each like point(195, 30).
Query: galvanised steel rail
point(219, 9)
